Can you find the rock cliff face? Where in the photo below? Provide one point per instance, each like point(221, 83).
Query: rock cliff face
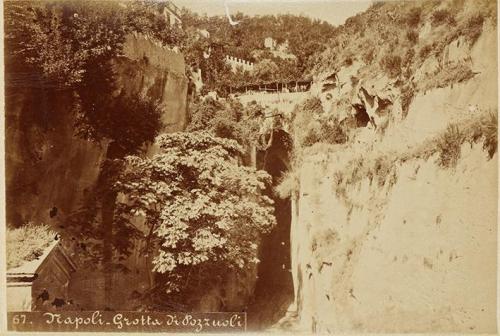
point(157, 72)
point(416, 256)
point(405, 245)
point(48, 169)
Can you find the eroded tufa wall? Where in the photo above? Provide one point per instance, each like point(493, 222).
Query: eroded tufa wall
point(418, 256)
point(416, 249)
point(47, 166)
point(49, 169)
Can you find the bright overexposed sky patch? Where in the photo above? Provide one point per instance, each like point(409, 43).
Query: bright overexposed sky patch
point(332, 11)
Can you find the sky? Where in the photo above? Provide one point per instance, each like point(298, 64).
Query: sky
point(332, 11)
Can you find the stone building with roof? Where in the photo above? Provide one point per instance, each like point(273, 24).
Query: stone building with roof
point(41, 284)
point(172, 13)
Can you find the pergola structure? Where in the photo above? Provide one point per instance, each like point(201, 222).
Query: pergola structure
point(273, 87)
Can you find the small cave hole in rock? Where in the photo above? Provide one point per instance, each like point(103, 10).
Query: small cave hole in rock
point(274, 287)
point(362, 118)
point(53, 212)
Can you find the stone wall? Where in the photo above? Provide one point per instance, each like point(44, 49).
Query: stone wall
point(235, 62)
point(138, 47)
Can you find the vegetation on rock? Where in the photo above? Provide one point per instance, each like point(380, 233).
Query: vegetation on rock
point(60, 41)
point(200, 211)
point(27, 243)
point(311, 125)
point(380, 29)
point(446, 147)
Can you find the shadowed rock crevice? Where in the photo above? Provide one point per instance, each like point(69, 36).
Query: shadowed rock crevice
point(362, 118)
point(274, 288)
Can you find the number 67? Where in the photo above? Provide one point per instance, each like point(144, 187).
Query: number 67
point(17, 319)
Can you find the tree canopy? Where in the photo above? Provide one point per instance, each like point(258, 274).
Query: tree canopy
point(205, 210)
point(305, 38)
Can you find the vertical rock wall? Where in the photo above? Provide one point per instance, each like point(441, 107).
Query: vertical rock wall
point(47, 167)
point(49, 170)
point(418, 256)
point(416, 251)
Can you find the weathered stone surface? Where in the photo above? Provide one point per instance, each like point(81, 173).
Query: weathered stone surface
point(419, 267)
point(47, 166)
point(418, 253)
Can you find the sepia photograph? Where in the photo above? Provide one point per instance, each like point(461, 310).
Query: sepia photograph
point(246, 166)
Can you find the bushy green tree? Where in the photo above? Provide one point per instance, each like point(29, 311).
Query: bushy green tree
point(61, 40)
point(228, 119)
point(266, 71)
point(204, 210)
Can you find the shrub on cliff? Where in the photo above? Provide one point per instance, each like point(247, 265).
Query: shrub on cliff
point(288, 185)
point(485, 129)
point(368, 55)
point(303, 117)
point(449, 146)
point(229, 120)
point(474, 27)
point(490, 130)
point(27, 243)
point(60, 40)
point(425, 51)
point(392, 65)
point(203, 210)
point(393, 27)
point(412, 36)
point(310, 125)
point(447, 75)
point(482, 127)
point(442, 16)
point(413, 17)
point(325, 131)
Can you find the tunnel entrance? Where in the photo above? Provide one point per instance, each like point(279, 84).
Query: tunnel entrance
point(274, 288)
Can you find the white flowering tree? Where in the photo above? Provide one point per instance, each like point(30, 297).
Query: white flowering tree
point(205, 212)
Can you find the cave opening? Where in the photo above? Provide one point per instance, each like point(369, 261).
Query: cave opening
point(361, 116)
point(274, 287)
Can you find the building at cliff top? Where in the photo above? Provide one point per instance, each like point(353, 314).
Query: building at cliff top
point(270, 43)
point(235, 62)
point(280, 50)
point(203, 33)
point(171, 12)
